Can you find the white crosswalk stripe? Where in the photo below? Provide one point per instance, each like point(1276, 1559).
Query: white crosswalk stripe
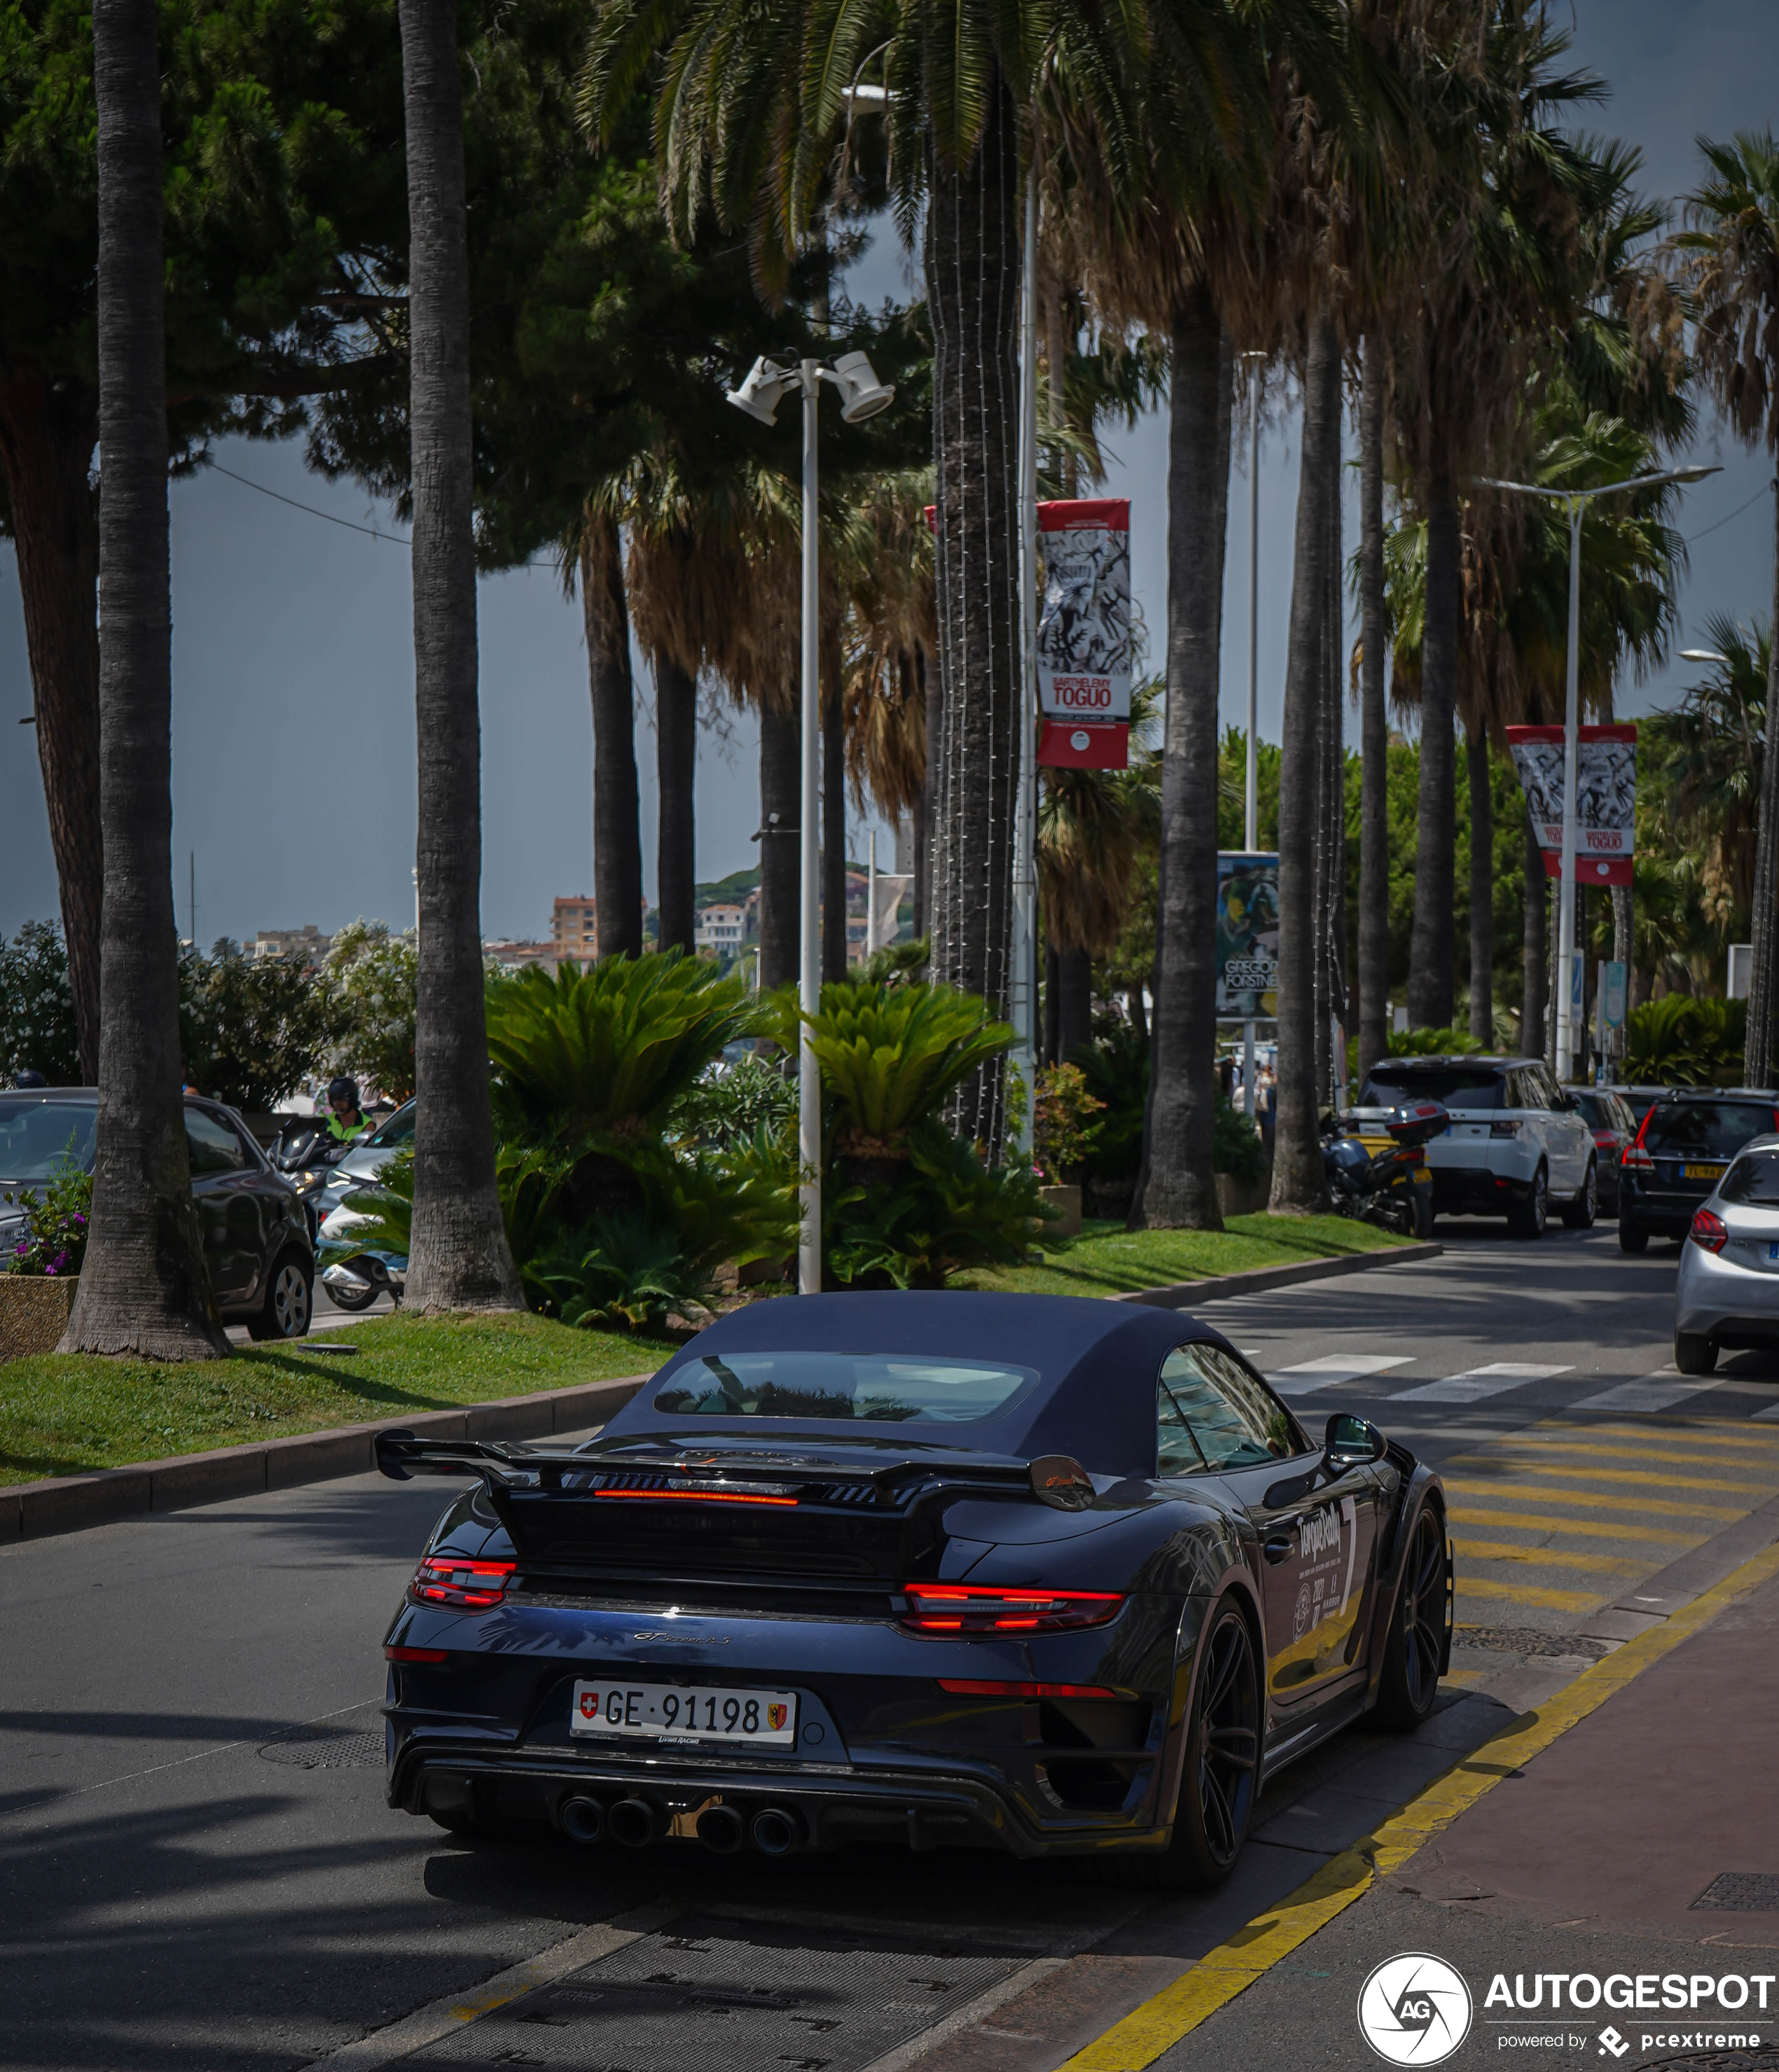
point(1478, 1383)
point(1309, 1375)
point(1654, 1392)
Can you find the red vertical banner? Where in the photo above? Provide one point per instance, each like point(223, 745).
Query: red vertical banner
point(1084, 634)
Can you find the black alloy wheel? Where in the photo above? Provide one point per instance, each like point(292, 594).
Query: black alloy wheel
point(1411, 1680)
point(289, 1300)
point(1528, 1219)
point(1579, 1214)
point(1221, 1774)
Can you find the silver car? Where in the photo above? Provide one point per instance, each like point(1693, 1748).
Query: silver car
point(1727, 1294)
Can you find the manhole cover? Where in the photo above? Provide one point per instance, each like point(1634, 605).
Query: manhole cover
point(1524, 1640)
point(321, 1744)
point(1741, 1892)
point(710, 1995)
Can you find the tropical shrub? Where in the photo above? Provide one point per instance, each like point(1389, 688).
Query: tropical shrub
point(53, 1243)
point(373, 977)
point(1685, 1042)
point(632, 1274)
point(596, 1059)
point(1433, 1043)
point(945, 1212)
point(37, 1026)
point(1066, 1122)
point(1115, 1069)
point(1236, 1148)
point(253, 1029)
point(724, 1110)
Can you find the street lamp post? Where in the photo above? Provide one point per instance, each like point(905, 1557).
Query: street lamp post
point(1250, 821)
point(1577, 500)
point(862, 395)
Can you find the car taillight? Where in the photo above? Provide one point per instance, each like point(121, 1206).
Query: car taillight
point(1636, 1156)
point(1504, 1126)
point(1708, 1231)
point(1605, 1139)
point(963, 1609)
point(974, 1688)
point(417, 1654)
point(465, 1586)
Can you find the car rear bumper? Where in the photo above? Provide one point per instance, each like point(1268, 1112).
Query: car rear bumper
point(1662, 1212)
point(1715, 1298)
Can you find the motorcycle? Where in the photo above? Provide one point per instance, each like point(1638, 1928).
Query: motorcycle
point(355, 1277)
point(1375, 1163)
point(306, 1155)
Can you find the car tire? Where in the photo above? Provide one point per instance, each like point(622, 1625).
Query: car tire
point(289, 1300)
point(1528, 1219)
point(1632, 1235)
point(1423, 1213)
point(1694, 1353)
point(1579, 1214)
point(1220, 1772)
point(1420, 1630)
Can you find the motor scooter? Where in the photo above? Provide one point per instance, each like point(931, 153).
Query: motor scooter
point(1375, 1163)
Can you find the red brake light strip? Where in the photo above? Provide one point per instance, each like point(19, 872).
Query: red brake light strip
point(417, 1654)
point(695, 1496)
point(966, 1608)
point(963, 1687)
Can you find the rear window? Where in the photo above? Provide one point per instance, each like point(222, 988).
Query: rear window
point(1713, 1129)
point(1752, 1181)
point(1458, 1086)
point(876, 1387)
point(36, 1135)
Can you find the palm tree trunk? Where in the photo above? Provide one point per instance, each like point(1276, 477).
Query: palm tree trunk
point(1431, 965)
point(47, 434)
point(1482, 889)
point(145, 1288)
point(917, 817)
point(617, 835)
point(1297, 1182)
point(676, 765)
point(460, 1258)
point(1758, 1056)
point(1051, 1047)
point(1074, 1002)
point(932, 696)
point(780, 793)
point(1373, 724)
point(1534, 998)
point(972, 272)
point(834, 836)
point(1179, 1186)
point(1334, 797)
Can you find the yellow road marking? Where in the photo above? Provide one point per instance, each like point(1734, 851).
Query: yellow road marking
point(1756, 1491)
point(1659, 1504)
point(1701, 1432)
point(1591, 1449)
point(1498, 1550)
point(1140, 2039)
point(1583, 1528)
point(1471, 1588)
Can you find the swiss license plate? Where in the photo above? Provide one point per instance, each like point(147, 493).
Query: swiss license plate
point(1703, 1172)
point(689, 1712)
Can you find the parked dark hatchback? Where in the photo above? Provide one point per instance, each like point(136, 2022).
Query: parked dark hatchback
point(1681, 1151)
point(256, 1233)
point(1609, 1117)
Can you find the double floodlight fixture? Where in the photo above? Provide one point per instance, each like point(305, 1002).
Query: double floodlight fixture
point(768, 382)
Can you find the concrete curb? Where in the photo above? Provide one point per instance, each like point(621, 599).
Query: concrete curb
point(67, 1503)
point(1256, 1280)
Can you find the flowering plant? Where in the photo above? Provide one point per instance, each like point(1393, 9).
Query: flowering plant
point(1067, 1120)
point(52, 1242)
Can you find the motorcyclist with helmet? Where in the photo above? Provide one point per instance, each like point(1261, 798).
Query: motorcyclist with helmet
point(346, 1122)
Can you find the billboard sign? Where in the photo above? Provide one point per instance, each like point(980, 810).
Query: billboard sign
point(1605, 797)
point(1247, 935)
point(1084, 632)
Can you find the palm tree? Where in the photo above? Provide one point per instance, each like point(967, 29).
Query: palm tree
point(1374, 719)
point(460, 1257)
point(1730, 273)
point(617, 839)
point(144, 1289)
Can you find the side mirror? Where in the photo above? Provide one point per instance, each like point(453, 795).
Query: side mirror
point(1350, 1442)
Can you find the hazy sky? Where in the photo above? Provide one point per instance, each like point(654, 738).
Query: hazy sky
point(293, 763)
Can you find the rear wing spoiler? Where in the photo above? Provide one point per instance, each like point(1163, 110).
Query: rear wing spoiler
point(1053, 1478)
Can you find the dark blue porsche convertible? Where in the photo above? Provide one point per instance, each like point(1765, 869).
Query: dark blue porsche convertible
point(1022, 1571)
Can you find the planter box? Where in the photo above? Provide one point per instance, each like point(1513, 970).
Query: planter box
point(1068, 1199)
point(1242, 1198)
point(33, 1313)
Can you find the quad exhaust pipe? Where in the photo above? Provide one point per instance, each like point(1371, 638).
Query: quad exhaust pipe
point(722, 1829)
point(582, 1819)
point(777, 1831)
point(633, 1823)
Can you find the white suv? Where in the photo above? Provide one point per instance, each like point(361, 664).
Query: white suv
point(1515, 1142)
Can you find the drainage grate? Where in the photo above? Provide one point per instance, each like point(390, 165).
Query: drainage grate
point(1524, 1640)
point(710, 1995)
point(323, 1746)
point(1741, 1892)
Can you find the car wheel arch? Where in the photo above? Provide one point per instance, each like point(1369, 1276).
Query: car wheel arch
point(1236, 1586)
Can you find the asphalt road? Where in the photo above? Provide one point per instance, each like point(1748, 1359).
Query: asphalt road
point(197, 1869)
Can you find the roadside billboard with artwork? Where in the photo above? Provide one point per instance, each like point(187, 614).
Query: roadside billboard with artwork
point(1247, 935)
point(1605, 797)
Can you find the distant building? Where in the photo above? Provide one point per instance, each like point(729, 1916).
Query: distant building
point(306, 942)
point(721, 930)
point(514, 956)
point(574, 929)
